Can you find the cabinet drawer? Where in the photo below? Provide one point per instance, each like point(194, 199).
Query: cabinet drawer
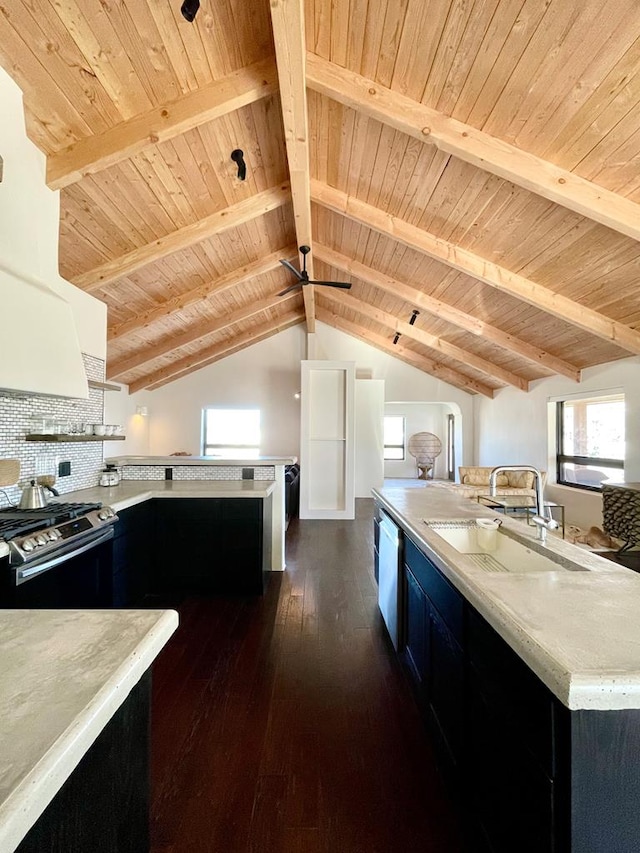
point(446, 599)
point(513, 692)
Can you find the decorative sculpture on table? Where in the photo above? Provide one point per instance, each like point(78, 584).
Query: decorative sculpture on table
point(425, 447)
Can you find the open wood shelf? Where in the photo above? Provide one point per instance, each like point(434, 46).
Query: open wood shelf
point(105, 386)
point(61, 437)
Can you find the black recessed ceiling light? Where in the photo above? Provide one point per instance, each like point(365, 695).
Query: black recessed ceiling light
point(189, 9)
point(238, 157)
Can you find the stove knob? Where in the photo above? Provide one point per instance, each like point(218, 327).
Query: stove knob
point(104, 514)
point(41, 539)
point(52, 535)
point(28, 545)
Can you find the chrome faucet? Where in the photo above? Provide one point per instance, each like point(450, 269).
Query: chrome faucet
point(542, 520)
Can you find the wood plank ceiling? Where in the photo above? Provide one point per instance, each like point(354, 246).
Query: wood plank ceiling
point(476, 162)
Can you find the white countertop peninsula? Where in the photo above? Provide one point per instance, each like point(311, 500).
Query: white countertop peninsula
point(272, 467)
point(131, 492)
point(579, 631)
point(64, 674)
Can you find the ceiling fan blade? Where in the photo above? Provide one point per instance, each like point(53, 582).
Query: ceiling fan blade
point(345, 285)
point(289, 289)
point(292, 269)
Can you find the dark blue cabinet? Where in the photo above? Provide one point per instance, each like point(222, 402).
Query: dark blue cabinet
point(191, 545)
point(212, 545)
point(133, 553)
point(500, 735)
point(433, 650)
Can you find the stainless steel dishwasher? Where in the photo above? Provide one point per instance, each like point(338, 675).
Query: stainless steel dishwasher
point(389, 589)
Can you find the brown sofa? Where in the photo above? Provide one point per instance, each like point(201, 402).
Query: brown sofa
point(474, 481)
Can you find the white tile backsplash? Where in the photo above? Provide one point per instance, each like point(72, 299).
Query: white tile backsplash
point(196, 472)
point(86, 458)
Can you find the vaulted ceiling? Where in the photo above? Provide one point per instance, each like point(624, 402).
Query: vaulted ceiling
point(476, 161)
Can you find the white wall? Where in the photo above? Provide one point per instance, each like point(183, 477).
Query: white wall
point(30, 219)
point(266, 376)
point(419, 417)
point(408, 385)
point(513, 428)
point(369, 404)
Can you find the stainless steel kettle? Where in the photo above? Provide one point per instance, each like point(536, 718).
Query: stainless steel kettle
point(34, 496)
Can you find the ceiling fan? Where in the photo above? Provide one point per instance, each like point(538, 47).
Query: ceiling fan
point(303, 275)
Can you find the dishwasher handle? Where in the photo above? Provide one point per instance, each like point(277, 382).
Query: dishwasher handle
point(389, 528)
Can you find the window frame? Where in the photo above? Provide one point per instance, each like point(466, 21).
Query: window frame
point(402, 446)
point(237, 449)
point(565, 458)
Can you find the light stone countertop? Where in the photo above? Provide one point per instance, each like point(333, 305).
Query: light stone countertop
point(579, 631)
point(64, 674)
point(131, 492)
point(175, 461)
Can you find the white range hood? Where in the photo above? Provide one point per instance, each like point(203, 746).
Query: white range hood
point(40, 334)
point(40, 351)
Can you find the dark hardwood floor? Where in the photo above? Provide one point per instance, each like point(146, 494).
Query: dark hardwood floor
point(285, 723)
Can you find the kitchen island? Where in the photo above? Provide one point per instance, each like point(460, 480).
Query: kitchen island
point(68, 680)
point(530, 681)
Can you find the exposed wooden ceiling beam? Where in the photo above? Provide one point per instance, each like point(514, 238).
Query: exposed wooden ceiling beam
point(216, 223)
point(473, 146)
point(480, 268)
point(287, 20)
point(194, 334)
point(94, 153)
point(449, 313)
point(178, 303)
point(446, 374)
point(207, 356)
point(426, 339)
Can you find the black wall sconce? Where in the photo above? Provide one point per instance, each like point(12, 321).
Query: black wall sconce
point(238, 157)
point(189, 9)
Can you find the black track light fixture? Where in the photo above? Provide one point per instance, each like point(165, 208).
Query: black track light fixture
point(238, 157)
point(397, 338)
point(414, 314)
point(189, 9)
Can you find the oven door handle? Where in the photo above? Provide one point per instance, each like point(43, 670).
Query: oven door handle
point(34, 571)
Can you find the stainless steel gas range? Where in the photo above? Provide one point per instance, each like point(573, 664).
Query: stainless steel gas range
point(59, 556)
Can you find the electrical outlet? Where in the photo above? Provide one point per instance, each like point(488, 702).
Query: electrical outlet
point(64, 469)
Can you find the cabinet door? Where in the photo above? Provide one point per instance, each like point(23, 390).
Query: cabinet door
point(416, 648)
point(447, 685)
point(511, 796)
point(210, 545)
point(133, 554)
point(516, 729)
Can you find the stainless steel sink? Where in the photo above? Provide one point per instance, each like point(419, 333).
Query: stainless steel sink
point(510, 554)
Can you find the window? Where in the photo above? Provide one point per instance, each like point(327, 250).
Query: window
point(393, 437)
point(590, 441)
point(231, 432)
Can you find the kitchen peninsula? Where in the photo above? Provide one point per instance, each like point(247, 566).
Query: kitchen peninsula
point(208, 469)
point(530, 681)
point(74, 707)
